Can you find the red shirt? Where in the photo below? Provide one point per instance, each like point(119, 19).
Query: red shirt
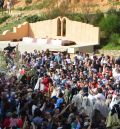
point(6, 122)
point(46, 83)
point(94, 84)
point(19, 122)
point(100, 75)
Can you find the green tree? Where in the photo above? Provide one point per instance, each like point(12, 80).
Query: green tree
point(110, 24)
point(96, 18)
point(115, 39)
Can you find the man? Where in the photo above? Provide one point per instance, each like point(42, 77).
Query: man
point(2, 4)
point(100, 94)
point(9, 48)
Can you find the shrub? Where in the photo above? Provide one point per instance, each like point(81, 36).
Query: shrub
point(75, 16)
point(32, 19)
point(24, 8)
point(115, 39)
point(110, 24)
point(28, 1)
point(96, 18)
point(36, 18)
point(10, 25)
point(4, 18)
point(55, 13)
point(20, 8)
point(111, 11)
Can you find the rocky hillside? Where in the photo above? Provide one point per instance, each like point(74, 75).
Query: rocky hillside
point(73, 4)
point(21, 3)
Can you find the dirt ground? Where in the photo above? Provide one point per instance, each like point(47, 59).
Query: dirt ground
point(21, 3)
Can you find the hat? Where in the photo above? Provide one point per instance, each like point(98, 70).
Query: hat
point(85, 89)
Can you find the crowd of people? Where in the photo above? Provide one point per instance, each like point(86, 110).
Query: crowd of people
point(50, 90)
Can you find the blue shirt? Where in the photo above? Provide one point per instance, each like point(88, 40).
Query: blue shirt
point(59, 101)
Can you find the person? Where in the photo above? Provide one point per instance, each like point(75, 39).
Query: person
point(2, 5)
point(97, 121)
point(100, 94)
point(60, 100)
point(9, 4)
point(9, 48)
point(67, 94)
point(113, 119)
point(101, 106)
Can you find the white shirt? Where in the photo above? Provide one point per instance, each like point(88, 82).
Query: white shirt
point(114, 101)
point(51, 65)
point(68, 60)
point(33, 109)
point(101, 96)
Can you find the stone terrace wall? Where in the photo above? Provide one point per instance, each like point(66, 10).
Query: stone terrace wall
point(114, 53)
point(17, 34)
point(82, 33)
point(42, 29)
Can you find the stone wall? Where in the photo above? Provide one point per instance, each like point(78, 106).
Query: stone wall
point(42, 29)
point(82, 33)
point(61, 28)
point(18, 33)
point(88, 49)
point(114, 53)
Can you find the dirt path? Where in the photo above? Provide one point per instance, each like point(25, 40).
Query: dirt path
point(21, 3)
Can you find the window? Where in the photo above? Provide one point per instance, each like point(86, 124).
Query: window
point(58, 27)
point(64, 27)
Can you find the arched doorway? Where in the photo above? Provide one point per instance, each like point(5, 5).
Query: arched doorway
point(64, 27)
point(58, 27)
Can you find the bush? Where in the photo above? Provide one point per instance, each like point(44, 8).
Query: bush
point(32, 19)
point(4, 18)
point(24, 8)
point(36, 18)
point(28, 1)
point(115, 39)
point(55, 13)
point(110, 24)
point(75, 16)
point(96, 18)
point(111, 11)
